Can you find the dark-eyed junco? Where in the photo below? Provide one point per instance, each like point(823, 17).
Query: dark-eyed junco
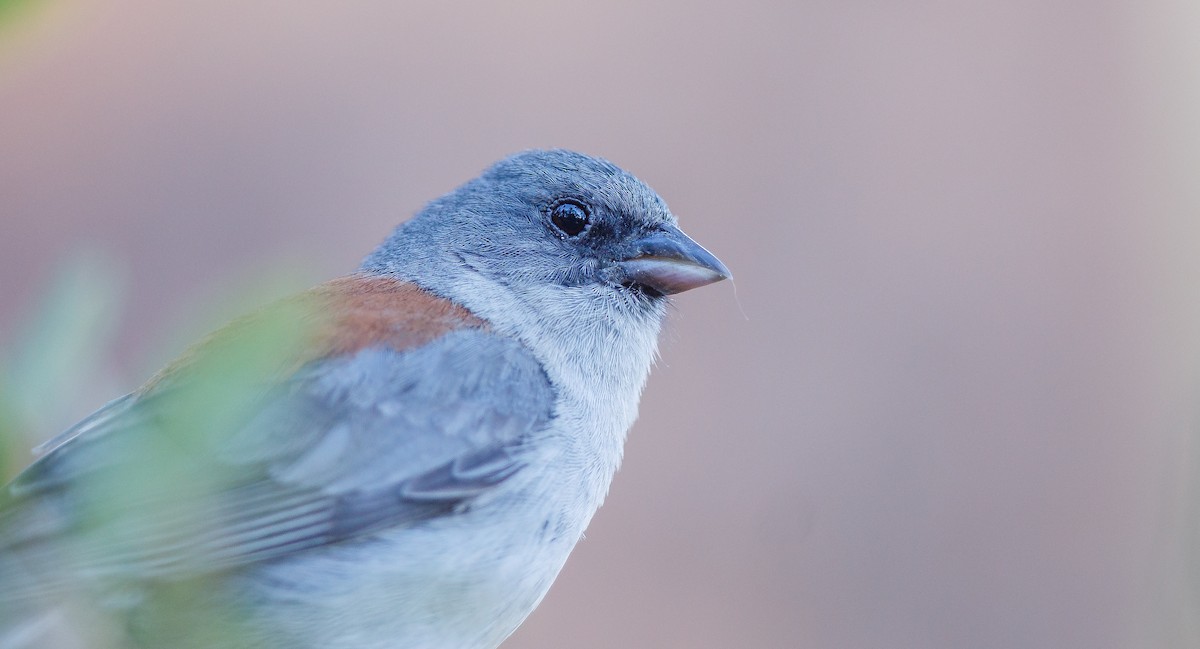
point(407, 464)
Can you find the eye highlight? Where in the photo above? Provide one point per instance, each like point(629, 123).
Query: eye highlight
point(570, 217)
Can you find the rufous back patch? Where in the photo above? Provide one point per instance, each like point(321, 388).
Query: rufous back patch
point(368, 310)
point(338, 317)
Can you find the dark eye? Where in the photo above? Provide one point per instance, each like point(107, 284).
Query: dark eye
point(570, 217)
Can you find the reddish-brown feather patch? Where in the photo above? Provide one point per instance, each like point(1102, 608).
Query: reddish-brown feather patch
point(338, 317)
point(368, 311)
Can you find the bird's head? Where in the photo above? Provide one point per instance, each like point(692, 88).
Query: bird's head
point(553, 235)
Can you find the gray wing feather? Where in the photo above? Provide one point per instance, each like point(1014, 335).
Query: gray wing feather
point(345, 447)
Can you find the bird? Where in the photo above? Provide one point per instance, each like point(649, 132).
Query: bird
point(400, 458)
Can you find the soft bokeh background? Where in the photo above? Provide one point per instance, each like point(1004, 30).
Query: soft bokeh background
point(954, 402)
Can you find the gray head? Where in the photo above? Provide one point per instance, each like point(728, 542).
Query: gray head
point(555, 236)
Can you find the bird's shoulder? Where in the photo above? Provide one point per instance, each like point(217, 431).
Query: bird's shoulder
point(276, 344)
point(388, 406)
point(337, 318)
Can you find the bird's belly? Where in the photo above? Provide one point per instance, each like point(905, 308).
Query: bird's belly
point(454, 583)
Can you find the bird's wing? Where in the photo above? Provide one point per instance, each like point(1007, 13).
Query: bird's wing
point(348, 444)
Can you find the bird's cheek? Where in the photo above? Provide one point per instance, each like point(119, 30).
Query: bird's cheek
point(611, 274)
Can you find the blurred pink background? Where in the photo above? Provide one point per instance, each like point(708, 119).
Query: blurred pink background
point(954, 400)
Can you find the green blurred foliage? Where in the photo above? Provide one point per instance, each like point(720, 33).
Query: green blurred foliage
point(12, 11)
point(161, 495)
point(9, 463)
point(229, 295)
point(56, 355)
